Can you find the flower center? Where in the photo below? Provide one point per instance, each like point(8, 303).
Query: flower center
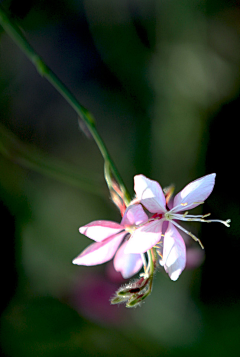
point(169, 216)
point(157, 216)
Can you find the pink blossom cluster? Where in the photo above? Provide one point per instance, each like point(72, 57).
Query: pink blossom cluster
point(149, 222)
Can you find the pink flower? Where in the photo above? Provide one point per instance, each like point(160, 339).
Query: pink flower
point(149, 225)
point(108, 236)
point(161, 230)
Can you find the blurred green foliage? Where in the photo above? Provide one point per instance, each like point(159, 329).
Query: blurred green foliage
point(162, 80)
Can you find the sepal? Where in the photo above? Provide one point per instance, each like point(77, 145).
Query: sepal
point(134, 292)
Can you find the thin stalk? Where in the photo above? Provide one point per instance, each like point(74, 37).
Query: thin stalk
point(17, 36)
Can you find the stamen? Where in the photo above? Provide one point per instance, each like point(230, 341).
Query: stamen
point(132, 228)
point(197, 218)
point(152, 219)
point(178, 207)
point(206, 215)
point(189, 233)
point(159, 248)
point(226, 223)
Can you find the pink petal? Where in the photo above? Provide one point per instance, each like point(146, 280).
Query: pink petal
point(194, 193)
point(134, 215)
point(150, 194)
point(174, 252)
point(127, 264)
point(145, 238)
point(100, 252)
point(100, 230)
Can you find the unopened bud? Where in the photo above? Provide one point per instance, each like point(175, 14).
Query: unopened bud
point(135, 300)
point(118, 300)
point(118, 201)
point(133, 287)
point(168, 191)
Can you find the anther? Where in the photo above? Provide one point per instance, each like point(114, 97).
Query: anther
point(196, 239)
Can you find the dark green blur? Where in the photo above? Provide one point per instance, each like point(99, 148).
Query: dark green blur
point(162, 81)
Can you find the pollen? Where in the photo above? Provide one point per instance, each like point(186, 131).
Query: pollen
point(130, 229)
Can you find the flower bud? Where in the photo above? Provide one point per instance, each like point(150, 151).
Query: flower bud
point(135, 300)
point(133, 287)
point(118, 300)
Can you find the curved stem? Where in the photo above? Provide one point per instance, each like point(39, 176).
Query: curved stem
point(17, 36)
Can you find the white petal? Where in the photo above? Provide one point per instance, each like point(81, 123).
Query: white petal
point(100, 252)
point(127, 264)
point(145, 238)
point(174, 252)
point(194, 193)
point(100, 230)
point(134, 215)
point(150, 194)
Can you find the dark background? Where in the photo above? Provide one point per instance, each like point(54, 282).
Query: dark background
point(162, 80)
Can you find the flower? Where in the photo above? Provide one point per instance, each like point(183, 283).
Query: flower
point(108, 236)
point(161, 230)
point(149, 225)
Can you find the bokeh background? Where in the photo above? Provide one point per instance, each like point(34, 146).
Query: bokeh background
point(162, 79)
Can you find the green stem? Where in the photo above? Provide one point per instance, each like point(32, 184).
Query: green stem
point(151, 262)
point(17, 36)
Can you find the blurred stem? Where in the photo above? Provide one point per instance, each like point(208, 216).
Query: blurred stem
point(17, 36)
point(27, 156)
